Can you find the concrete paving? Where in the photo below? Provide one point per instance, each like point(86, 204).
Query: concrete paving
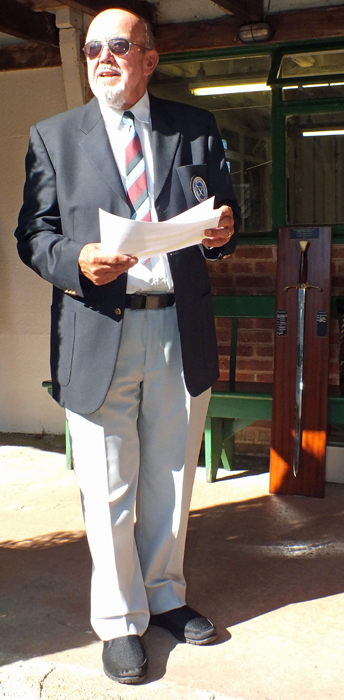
point(268, 570)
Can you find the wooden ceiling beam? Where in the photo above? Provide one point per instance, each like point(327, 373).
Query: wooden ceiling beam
point(304, 25)
point(299, 25)
point(21, 56)
point(19, 20)
point(196, 36)
point(245, 10)
point(89, 7)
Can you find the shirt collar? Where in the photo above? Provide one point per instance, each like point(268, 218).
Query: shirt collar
point(140, 110)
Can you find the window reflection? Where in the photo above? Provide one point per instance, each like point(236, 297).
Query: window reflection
point(315, 169)
point(243, 119)
point(312, 64)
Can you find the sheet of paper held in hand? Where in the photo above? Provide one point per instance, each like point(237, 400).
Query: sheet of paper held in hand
point(142, 238)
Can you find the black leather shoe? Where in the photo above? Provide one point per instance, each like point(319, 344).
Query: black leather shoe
point(186, 625)
point(124, 659)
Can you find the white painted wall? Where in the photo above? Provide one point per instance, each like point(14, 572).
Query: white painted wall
point(26, 97)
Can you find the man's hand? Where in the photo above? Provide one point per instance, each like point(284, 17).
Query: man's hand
point(101, 267)
point(217, 237)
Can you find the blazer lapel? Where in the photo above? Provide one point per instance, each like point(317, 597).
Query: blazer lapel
point(165, 140)
point(96, 146)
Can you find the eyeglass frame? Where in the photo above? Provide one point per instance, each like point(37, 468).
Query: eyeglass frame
point(106, 43)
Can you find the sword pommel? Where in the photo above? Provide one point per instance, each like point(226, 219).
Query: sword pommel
point(303, 271)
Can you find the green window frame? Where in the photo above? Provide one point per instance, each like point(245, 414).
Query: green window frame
point(280, 111)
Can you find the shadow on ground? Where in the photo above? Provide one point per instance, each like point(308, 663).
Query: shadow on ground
point(44, 601)
point(254, 556)
point(41, 441)
point(243, 559)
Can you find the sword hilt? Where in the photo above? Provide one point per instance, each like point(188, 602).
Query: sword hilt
point(303, 271)
point(303, 285)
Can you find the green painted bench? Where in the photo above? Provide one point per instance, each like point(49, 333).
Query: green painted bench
point(234, 406)
point(69, 459)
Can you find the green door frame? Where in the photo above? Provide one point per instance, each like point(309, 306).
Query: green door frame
point(280, 112)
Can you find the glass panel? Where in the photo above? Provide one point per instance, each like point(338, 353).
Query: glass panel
point(243, 118)
point(299, 65)
point(311, 91)
point(315, 169)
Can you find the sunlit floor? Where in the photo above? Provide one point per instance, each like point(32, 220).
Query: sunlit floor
point(268, 570)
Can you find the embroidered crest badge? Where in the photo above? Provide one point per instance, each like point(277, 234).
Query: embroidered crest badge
point(199, 188)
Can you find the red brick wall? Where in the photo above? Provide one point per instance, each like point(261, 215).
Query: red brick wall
point(252, 270)
point(337, 275)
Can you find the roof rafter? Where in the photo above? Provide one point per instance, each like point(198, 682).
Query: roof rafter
point(19, 20)
point(299, 25)
point(89, 7)
point(246, 10)
point(21, 56)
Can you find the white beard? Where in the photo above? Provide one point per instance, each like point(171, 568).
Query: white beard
point(110, 95)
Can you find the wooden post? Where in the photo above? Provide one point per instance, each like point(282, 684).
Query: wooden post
point(70, 24)
point(310, 480)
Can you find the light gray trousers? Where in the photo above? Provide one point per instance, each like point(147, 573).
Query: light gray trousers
point(135, 461)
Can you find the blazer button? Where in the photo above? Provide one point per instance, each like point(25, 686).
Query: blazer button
point(118, 312)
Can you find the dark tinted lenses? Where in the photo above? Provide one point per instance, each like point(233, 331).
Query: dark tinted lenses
point(93, 49)
point(119, 47)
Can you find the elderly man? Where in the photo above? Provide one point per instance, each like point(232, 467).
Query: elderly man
point(133, 346)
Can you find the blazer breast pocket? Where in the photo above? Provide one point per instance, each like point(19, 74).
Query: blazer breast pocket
point(193, 179)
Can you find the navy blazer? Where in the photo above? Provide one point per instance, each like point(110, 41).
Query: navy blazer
point(70, 173)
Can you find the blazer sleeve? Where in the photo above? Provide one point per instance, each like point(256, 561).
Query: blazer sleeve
point(41, 243)
point(220, 185)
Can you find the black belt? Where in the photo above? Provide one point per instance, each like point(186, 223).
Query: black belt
point(148, 301)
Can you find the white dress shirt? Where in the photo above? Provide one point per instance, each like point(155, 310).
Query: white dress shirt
point(155, 277)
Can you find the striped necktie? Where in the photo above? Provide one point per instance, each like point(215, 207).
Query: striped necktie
point(135, 172)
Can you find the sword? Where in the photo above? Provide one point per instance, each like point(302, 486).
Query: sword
point(302, 288)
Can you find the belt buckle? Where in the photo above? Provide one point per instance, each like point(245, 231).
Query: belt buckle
point(152, 301)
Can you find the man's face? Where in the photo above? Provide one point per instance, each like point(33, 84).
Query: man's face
point(120, 81)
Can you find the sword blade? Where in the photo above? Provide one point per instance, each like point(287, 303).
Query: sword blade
point(302, 288)
point(301, 304)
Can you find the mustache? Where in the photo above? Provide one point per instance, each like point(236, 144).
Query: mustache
point(107, 65)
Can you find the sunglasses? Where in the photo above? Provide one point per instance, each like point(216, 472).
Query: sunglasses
point(118, 47)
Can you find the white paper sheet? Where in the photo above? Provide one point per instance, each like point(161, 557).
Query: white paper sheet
point(145, 238)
